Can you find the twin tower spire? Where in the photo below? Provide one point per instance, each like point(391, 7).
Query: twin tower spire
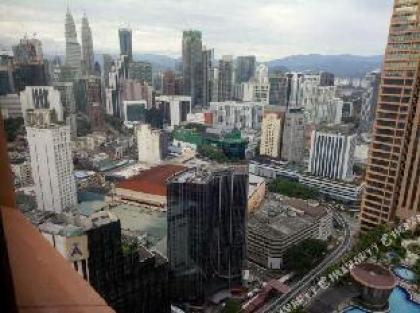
point(79, 58)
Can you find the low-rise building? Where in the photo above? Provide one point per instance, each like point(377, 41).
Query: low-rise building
point(23, 174)
point(281, 223)
point(147, 188)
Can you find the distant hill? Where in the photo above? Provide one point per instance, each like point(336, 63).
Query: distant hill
point(159, 62)
point(344, 65)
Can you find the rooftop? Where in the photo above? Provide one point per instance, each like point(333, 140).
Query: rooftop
point(285, 215)
point(374, 276)
point(152, 181)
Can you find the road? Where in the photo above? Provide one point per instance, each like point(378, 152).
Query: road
point(316, 272)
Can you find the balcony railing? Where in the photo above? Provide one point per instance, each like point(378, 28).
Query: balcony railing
point(34, 277)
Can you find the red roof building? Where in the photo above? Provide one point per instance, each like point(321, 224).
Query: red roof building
point(149, 187)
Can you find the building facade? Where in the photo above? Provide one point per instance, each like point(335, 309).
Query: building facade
point(175, 109)
point(332, 155)
point(73, 51)
point(141, 70)
point(126, 44)
point(281, 223)
point(151, 144)
point(245, 68)
point(271, 134)
point(225, 79)
point(240, 115)
point(293, 144)
point(42, 97)
point(392, 177)
point(87, 47)
point(207, 210)
point(52, 167)
point(192, 66)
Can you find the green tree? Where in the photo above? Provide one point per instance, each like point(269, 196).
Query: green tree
point(292, 189)
point(305, 255)
point(12, 127)
point(231, 306)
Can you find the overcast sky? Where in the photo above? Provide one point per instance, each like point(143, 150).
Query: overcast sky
point(267, 28)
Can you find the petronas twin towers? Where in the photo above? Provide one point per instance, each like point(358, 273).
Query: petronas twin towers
point(81, 59)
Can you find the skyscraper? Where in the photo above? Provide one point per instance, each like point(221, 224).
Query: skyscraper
point(208, 63)
point(393, 175)
point(87, 46)
point(140, 70)
point(73, 54)
point(206, 230)
point(69, 104)
point(126, 45)
point(52, 167)
point(278, 90)
point(192, 65)
point(226, 76)
point(245, 68)
point(370, 100)
point(293, 145)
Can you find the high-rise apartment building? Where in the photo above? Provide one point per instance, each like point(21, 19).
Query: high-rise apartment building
point(278, 90)
point(332, 154)
point(126, 45)
point(293, 145)
point(192, 65)
point(52, 167)
point(69, 104)
point(294, 81)
point(140, 70)
point(168, 83)
point(207, 210)
point(240, 115)
point(271, 134)
point(226, 77)
point(245, 68)
point(73, 52)
point(393, 172)
point(87, 46)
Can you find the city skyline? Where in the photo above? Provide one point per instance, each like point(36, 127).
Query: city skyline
point(270, 30)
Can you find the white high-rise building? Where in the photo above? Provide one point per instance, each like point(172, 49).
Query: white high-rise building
point(41, 97)
point(240, 115)
point(332, 154)
point(175, 109)
point(73, 52)
point(87, 46)
point(52, 167)
point(151, 144)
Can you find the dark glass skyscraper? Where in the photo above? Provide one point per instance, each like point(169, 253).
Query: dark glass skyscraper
point(206, 230)
point(245, 68)
point(192, 66)
point(126, 44)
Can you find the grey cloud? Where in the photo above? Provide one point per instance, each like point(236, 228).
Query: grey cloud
point(267, 28)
